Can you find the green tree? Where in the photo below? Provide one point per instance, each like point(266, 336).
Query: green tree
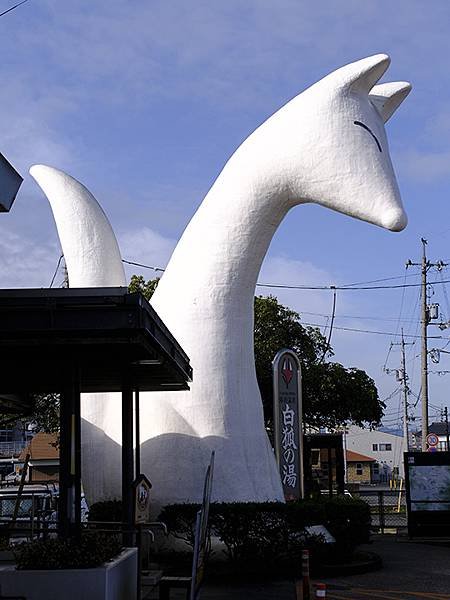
point(147, 288)
point(332, 394)
point(43, 414)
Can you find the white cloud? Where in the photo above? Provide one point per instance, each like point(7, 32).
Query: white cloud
point(283, 270)
point(145, 246)
point(24, 263)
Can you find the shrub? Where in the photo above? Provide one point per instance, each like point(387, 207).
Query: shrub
point(180, 521)
point(91, 550)
point(270, 536)
point(107, 510)
point(348, 520)
point(251, 531)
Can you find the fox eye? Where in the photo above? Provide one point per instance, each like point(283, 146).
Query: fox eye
point(371, 133)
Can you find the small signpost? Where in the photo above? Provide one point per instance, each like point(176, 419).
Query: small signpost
point(288, 434)
point(141, 489)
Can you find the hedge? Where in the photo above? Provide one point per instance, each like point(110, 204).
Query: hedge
point(106, 510)
point(271, 535)
point(89, 551)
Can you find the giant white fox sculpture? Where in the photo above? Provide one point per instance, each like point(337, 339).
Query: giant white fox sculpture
point(327, 145)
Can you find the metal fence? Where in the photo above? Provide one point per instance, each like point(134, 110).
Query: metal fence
point(387, 508)
point(11, 448)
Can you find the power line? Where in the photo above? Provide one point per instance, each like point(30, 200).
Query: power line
point(136, 264)
point(363, 317)
point(12, 8)
point(56, 270)
point(391, 395)
point(331, 287)
point(384, 279)
point(387, 357)
point(333, 312)
point(308, 287)
point(401, 305)
point(344, 288)
point(436, 337)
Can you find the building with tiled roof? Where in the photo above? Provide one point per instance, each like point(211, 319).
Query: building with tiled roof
point(386, 448)
point(440, 429)
point(44, 457)
point(358, 467)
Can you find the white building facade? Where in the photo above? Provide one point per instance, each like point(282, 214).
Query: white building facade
point(385, 448)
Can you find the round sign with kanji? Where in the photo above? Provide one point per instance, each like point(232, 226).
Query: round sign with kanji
point(432, 439)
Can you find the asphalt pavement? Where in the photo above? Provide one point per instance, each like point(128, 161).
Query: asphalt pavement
point(412, 570)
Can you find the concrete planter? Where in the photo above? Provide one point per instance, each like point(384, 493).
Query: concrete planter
point(115, 580)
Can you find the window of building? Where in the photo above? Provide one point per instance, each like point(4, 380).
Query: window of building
point(6, 435)
point(315, 458)
point(359, 469)
point(376, 469)
point(375, 447)
point(385, 447)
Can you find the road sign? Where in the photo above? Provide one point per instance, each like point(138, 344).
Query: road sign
point(432, 449)
point(432, 439)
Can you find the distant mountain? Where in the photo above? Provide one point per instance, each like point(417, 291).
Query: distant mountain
point(398, 431)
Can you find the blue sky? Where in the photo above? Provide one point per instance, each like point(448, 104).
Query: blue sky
point(144, 102)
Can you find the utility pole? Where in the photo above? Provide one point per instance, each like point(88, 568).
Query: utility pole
point(405, 398)
point(424, 358)
point(403, 377)
point(446, 428)
point(425, 320)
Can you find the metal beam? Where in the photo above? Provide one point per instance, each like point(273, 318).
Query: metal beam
point(127, 462)
point(69, 507)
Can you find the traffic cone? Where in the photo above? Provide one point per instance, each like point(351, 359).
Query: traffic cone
point(321, 590)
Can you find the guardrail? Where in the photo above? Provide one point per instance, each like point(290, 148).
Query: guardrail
point(8, 449)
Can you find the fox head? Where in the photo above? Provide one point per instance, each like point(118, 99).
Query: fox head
point(328, 145)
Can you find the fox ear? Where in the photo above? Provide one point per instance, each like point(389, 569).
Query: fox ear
point(363, 74)
point(387, 97)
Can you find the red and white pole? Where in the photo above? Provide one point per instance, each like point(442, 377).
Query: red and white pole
point(305, 575)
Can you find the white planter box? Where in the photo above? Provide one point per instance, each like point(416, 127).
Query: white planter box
point(116, 580)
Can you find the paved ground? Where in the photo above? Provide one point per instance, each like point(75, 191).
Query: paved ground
point(411, 571)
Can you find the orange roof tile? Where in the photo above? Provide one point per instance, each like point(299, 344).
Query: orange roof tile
point(355, 457)
point(41, 447)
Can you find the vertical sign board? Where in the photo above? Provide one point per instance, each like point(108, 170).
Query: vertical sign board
point(288, 434)
point(427, 479)
point(201, 534)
